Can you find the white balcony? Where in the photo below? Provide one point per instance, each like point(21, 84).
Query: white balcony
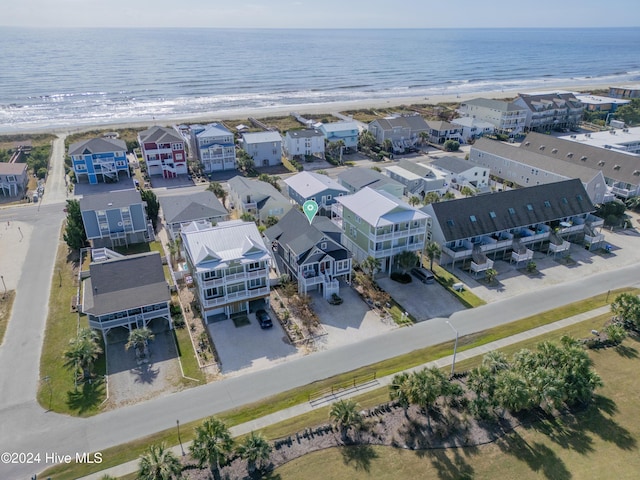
point(559, 248)
point(235, 297)
point(481, 267)
point(398, 234)
point(524, 255)
point(594, 239)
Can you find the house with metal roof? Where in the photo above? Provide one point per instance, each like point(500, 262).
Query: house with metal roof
point(309, 254)
point(302, 143)
point(621, 170)
point(256, 198)
point(214, 146)
point(164, 151)
point(13, 179)
point(320, 188)
point(115, 219)
point(377, 224)
point(264, 147)
point(356, 178)
point(525, 168)
point(509, 224)
point(507, 117)
point(347, 131)
point(180, 210)
point(126, 291)
point(99, 159)
point(229, 264)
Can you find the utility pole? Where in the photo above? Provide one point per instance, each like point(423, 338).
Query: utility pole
point(179, 439)
point(455, 347)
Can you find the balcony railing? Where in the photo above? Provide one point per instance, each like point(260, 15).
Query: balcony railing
point(398, 234)
point(236, 296)
point(413, 247)
point(212, 282)
point(127, 320)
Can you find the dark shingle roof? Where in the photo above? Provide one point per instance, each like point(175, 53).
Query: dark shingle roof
point(160, 135)
point(123, 283)
point(360, 177)
point(98, 145)
point(453, 164)
point(506, 210)
point(195, 206)
point(115, 199)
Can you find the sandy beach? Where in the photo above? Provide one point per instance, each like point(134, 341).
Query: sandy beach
point(315, 108)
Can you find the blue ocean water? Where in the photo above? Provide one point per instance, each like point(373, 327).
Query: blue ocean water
point(71, 77)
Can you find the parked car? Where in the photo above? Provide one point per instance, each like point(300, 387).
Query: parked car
point(264, 319)
point(425, 276)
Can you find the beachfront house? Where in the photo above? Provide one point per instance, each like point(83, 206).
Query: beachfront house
point(264, 147)
point(214, 146)
point(418, 177)
point(525, 168)
point(347, 131)
point(13, 179)
point(402, 130)
point(99, 159)
point(506, 117)
point(622, 139)
point(256, 198)
point(115, 219)
point(317, 187)
point(125, 291)
point(621, 171)
point(377, 224)
point(309, 255)
point(303, 143)
point(441, 131)
point(628, 91)
point(597, 103)
point(547, 111)
point(356, 178)
point(229, 265)
point(460, 173)
point(472, 128)
point(164, 152)
point(510, 224)
point(180, 210)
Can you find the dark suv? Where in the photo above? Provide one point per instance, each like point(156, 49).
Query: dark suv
point(264, 319)
point(425, 276)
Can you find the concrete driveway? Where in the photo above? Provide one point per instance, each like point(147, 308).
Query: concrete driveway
point(350, 322)
point(422, 301)
point(248, 347)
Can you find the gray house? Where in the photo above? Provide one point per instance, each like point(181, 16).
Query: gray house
point(418, 178)
point(126, 292)
point(264, 147)
point(403, 130)
point(257, 198)
point(308, 254)
point(317, 187)
point(115, 219)
point(180, 210)
point(13, 179)
point(356, 178)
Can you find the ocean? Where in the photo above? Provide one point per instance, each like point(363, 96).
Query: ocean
point(73, 77)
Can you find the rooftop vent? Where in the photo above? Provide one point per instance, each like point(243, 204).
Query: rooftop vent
point(616, 167)
point(555, 150)
point(583, 158)
point(542, 147)
point(570, 155)
point(601, 163)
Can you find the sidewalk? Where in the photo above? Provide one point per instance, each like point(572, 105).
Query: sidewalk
point(262, 422)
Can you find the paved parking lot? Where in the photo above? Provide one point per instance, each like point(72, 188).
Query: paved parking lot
point(422, 301)
point(249, 347)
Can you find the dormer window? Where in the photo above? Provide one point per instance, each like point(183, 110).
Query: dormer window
point(547, 203)
point(512, 211)
point(555, 150)
point(529, 207)
point(583, 158)
point(472, 218)
point(492, 214)
point(570, 155)
point(616, 167)
point(601, 163)
point(542, 147)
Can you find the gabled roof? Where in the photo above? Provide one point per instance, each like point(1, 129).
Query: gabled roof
point(190, 207)
point(379, 208)
point(615, 165)
point(549, 100)
point(258, 190)
point(160, 135)
point(360, 177)
point(440, 125)
point(122, 283)
point(97, 145)
point(453, 164)
point(535, 160)
point(212, 247)
point(111, 200)
point(294, 231)
point(422, 170)
point(308, 184)
point(214, 130)
point(472, 122)
point(306, 133)
point(499, 105)
point(413, 122)
point(485, 214)
point(261, 137)
point(12, 168)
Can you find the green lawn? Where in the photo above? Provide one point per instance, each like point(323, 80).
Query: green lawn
point(6, 306)
point(447, 280)
point(123, 453)
point(187, 355)
point(59, 392)
point(601, 442)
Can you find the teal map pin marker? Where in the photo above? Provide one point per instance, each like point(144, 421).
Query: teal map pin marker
point(310, 208)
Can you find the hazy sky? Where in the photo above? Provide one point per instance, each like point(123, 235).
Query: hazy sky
point(320, 13)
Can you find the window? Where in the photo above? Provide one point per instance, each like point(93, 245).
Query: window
point(564, 200)
point(547, 203)
point(256, 283)
point(253, 266)
point(529, 207)
point(492, 214)
point(213, 292)
point(579, 197)
point(353, 232)
point(472, 218)
point(358, 219)
point(450, 222)
point(512, 211)
point(323, 246)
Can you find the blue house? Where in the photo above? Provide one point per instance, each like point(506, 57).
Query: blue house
point(99, 159)
point(314, 186)
point(115, 219)
point(345, 131)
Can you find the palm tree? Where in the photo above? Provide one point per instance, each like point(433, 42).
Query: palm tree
point(158, 463)
point(255, 450)
point(83, 352)
point(512, 392)
point(425, 386)
point(138, 340)
point(345, 415)
point(491, 274)
point(414, 200)
point(431, 197)
point(399, 391)
point(406, 260)
point(633, 203)
point(495, 361)
point(367, 139)
point(212, 443)
point(370, 266)
point(218, 191)
point(387, 145)
point(449, 196)
point(432, 250)
point(467, 191)
point(626, 307)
